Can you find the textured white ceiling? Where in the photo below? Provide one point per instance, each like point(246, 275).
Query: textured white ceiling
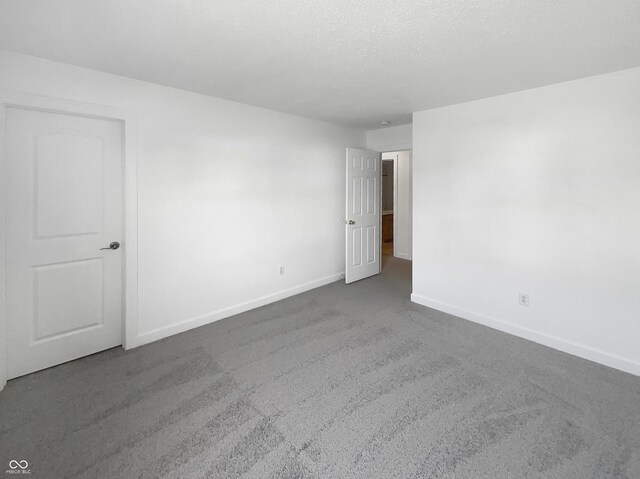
point(353, 62)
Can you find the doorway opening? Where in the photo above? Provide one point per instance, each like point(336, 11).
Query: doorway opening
point(387, 209)
point(378, 213)
point(395, 229)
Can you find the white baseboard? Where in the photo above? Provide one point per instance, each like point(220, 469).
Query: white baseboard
point(554, 342)
point(188, 324)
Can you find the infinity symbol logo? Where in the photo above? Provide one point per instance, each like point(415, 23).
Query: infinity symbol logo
point(13, 464)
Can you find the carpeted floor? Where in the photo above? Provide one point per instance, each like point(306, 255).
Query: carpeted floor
point(343, 381)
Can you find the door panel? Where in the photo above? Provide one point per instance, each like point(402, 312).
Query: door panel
point(68, 204)
point(362, 214)
point(64, 294)
point(58, 309)
point(371, 244)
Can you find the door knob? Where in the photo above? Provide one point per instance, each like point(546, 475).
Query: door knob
point(113, 245)
point(351, 222)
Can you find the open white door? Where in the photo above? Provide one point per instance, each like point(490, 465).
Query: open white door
point(63, 228)
point(362, 214)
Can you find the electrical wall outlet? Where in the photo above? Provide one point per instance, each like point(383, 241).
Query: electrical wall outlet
point(281, 270)
point(523, 299)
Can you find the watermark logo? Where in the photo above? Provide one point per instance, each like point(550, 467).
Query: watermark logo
point(18, 467)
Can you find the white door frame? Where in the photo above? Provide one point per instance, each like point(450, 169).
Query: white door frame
point(130, 215)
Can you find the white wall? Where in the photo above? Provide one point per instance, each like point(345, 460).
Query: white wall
point(402, 203)
point(227, 192)
point(393, 138)
point(536, 192)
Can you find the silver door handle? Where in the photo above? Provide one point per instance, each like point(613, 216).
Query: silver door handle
point(113, 245)
point(350, 222)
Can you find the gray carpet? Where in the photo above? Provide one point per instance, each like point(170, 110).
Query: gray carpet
point(343, 381)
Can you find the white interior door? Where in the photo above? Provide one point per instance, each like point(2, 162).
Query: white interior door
point(363, 216)
point(64, 293)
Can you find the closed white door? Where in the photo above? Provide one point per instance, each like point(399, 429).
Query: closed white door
point(64, 293)
point(363, 216)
